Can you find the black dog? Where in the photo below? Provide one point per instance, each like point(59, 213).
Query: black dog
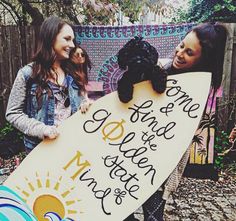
point(139, 59)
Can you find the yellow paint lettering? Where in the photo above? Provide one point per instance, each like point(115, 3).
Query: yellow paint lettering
point(81, 166)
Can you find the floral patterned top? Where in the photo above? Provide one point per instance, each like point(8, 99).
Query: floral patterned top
point(62, 102)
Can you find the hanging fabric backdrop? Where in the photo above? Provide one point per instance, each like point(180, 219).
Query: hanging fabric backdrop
point(102, 44)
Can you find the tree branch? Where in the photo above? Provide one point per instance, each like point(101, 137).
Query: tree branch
point(37, 17)
point(12, 10)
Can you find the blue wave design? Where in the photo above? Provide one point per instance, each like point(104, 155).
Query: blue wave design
point(12, 207)
point(2, 217)
point(51, 216)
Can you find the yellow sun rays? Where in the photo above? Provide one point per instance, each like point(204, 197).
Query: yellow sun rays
point(50, 195)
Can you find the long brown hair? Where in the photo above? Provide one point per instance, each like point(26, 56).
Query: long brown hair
point(80, 71)
point(212, 38)
point(45, 55)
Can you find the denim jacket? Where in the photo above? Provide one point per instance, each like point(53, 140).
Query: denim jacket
point(24, 112)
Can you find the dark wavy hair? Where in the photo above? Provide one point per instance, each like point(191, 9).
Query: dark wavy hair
point(212, 38)
point(137, 52)
point(45, 55)
point(81, 71)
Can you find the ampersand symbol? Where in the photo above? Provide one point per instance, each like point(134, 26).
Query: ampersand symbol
point(167, 109)
point(119, 195)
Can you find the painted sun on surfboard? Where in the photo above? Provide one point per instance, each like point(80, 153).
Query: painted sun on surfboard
point(54, 200)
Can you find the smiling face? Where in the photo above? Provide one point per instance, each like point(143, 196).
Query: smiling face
point(64, 42)
point(188, 52)
point(78, 56)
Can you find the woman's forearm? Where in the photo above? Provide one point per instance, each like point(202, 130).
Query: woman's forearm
point(15, 110)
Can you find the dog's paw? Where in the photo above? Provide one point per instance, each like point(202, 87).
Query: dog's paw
point(158, 79)
point(125, 90)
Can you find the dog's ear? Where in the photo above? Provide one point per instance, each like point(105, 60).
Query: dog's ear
point(125, 52)
point(125, 88)
point(122, 58)
point(153, 55)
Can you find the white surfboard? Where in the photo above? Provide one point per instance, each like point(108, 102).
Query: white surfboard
point(107, 162)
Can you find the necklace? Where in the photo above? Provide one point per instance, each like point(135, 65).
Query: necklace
point(59, 80)
point(65, 94)
point(63, 91)
point(58, 77)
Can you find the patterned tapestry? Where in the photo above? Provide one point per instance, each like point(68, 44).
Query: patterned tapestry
point(102, 44)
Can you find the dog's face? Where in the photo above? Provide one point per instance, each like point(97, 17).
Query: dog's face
point(140, 60)
point(137, 53)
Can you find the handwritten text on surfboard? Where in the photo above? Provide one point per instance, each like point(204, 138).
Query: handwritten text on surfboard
point(114, 132)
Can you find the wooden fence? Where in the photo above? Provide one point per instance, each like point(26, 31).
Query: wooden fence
point(226, 105)
point(18, 43)
point(16, 47)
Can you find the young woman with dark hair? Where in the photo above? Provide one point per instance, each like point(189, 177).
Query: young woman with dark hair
point(46, 91)
point(81, 64)
point(202, 49)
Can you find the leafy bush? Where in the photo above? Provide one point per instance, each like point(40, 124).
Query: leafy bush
point(11, 141)
point(221, 145)
point(223, 159)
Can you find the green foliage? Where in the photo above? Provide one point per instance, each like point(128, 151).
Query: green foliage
point(11, 141)
point(102, 13)
point(131, 9)
point(220, 146)
point(208, 10)
point(76, 11)
point(8, 131)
